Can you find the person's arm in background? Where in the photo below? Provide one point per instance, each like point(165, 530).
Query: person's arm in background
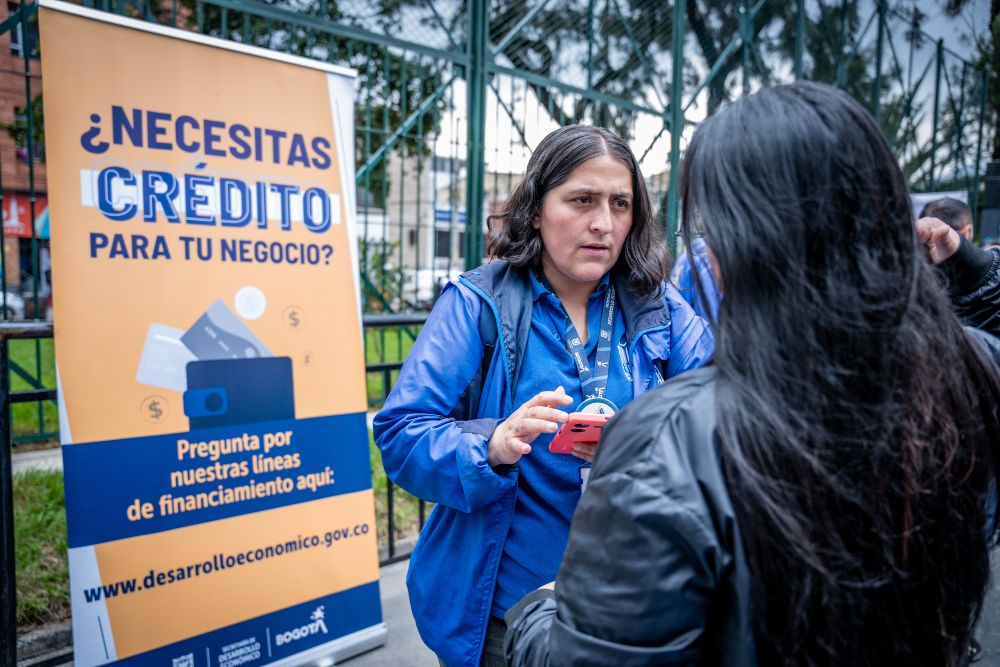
point(681, 277)
point(692, 344)
point(972, 274)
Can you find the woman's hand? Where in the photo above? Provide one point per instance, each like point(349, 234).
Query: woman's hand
point(940, 240)
point(512, 439)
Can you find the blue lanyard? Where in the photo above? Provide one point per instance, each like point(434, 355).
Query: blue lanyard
point(594, 383)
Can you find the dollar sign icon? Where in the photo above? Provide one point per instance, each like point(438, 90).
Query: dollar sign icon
point(154, 408)
point(293, 317)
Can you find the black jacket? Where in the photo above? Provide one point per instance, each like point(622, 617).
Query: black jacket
point(653, 564)
point(972, 276)
point(653, 573)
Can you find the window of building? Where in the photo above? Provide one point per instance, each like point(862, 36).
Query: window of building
point(442, 243)
point(17, 37)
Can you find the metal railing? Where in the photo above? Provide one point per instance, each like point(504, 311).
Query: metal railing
point(8, 583)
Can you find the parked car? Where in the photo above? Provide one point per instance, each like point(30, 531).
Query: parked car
point(27, 293)
point(44, 305)
point(11, 306)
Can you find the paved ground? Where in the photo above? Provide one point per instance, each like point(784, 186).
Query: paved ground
point(44, 459)
point(405, 648)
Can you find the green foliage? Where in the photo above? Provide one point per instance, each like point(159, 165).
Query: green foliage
point(40, 549)
point(390, 86)
point(18, 130)
point(382, 277)
point(990, 53)
point(988, 48)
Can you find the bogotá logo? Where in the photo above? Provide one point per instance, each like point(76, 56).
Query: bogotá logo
point(315, 625)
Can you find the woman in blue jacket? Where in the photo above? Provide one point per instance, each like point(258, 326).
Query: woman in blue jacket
point(579, 314)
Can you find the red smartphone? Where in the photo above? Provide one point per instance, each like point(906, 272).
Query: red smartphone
point(581, 427)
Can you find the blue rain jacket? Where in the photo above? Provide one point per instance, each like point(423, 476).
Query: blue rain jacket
point(433, 441)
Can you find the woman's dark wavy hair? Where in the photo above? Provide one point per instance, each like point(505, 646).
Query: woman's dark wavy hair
point(644, 259)
point(857, 420)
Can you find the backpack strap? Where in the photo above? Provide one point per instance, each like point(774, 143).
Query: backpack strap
point(468, 404)
point(488, 334)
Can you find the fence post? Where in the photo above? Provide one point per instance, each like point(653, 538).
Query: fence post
point(983, 99)
point(676, 119)
point(746, 32)
point(476, 46)
point(26, 48)
point(800, 36)
point(8, 581)
point(877, 86)
point(590, 45)
point(937, 104)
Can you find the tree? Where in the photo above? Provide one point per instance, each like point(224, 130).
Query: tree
point(385, 77)
point(988, 46)
point(18, 130)
point(382, 287)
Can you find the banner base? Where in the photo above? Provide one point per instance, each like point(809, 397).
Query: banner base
point(339, 650)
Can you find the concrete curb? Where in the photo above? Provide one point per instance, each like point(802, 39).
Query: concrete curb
point(40, 643)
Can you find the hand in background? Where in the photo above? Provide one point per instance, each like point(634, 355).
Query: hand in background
point(940, 240)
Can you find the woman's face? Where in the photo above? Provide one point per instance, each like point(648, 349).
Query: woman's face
point(584, 222)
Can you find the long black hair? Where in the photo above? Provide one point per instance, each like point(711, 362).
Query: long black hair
point(513, 237)
point(857, 420)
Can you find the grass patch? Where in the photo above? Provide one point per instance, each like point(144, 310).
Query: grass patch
point(26, 417)
point(385, 345)
point(40, 549)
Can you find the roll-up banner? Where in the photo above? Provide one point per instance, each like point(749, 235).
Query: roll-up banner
point(208, 346)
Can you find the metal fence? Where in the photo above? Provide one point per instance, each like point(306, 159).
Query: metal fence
point(453, 95)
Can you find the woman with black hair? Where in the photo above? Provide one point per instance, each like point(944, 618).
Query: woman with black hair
point(574, 312)
point(820, 495)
